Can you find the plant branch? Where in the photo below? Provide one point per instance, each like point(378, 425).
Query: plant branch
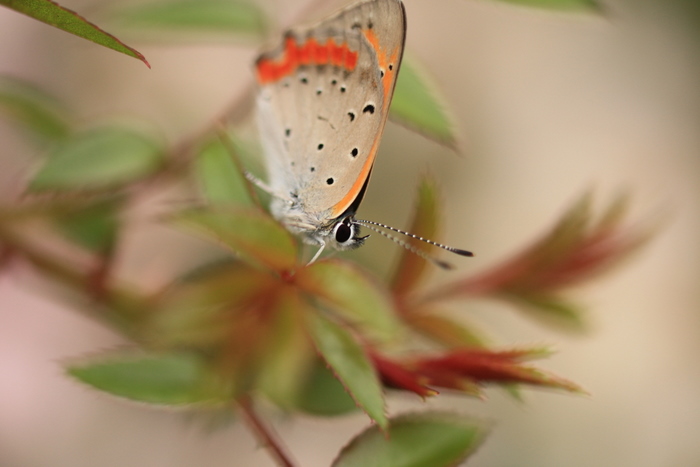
point(121, 307)
point(265, 435)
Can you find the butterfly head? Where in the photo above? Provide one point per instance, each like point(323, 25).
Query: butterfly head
point(344, 234)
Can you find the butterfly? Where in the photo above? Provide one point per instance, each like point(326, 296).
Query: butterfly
point(322, 103)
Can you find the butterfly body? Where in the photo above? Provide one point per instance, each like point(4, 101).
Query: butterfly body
point(323, 99)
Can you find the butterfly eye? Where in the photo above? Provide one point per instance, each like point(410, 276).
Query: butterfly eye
point(343, 232)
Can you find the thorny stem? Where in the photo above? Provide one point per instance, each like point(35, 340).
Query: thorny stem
point(265, 435)
point(122, 307)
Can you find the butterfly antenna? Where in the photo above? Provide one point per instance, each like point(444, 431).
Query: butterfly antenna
point(442, 264)
point(408, 234)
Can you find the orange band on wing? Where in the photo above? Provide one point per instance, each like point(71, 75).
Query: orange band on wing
point(309, 53)
point(340, 207)
point(388, 82)
point(384, 62)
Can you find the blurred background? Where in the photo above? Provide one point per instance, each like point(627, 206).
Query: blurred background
point(547, 106)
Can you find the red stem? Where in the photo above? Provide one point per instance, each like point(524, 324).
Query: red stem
point(265, 434)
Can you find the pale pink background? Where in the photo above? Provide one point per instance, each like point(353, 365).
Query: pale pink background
point(547, 106)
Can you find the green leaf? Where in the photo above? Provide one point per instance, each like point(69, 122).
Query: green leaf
point(200, 311)
point(514, 391)
point(350, 364)
point(34, 110)
point(615, 213)
point(430, 439)
point(592, 5)
point(221, 180)
point(353, 296)
point(289, 355)
point(250, 233)
point(443, 330)
point(416, 105)
point(99, 159)
point(168, 379)
point(234, 17)
point(94, 227)
point(55, 15)
point(569, 231)
point(324, 395)
point(426, 218)
point(549, 308)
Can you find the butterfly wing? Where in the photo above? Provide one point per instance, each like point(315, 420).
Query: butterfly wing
point(323, 102)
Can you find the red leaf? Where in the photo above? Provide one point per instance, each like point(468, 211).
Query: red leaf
point(576, 249)
point(466, 370)
point(398, 376)
point(484, 366)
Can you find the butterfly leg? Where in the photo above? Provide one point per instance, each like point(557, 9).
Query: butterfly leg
point(265, 187)
point(318, 253)
point(259, 183)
